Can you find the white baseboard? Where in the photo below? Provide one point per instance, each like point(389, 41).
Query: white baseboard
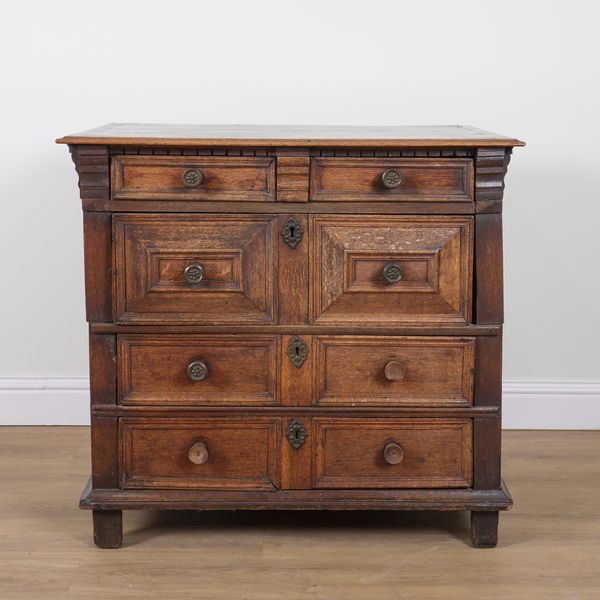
point(551, 404)
point(539, 404)
point(44, 401)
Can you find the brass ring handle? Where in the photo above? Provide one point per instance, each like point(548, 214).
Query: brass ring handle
point(198, 453)
point(197, 370)
point(192, 178)
point(391, 178)
point(193, 274)
point(394, 370)
point(393, 453)
point(392, 273)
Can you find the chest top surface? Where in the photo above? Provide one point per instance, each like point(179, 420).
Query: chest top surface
point(136, 134)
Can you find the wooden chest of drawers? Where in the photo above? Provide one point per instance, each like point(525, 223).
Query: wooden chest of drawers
point(294, 318)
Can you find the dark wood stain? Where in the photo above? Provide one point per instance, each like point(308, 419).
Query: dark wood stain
point(399, 389)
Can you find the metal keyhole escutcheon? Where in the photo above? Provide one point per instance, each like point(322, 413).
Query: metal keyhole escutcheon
point(297, 351)
point(296, 434)
point(292, 232)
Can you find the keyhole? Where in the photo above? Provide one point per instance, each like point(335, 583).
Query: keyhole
point(292, 232)
point(296, 434)
point(297, 351)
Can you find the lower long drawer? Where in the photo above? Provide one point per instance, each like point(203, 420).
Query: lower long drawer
point(334, 452)
point(256, 370)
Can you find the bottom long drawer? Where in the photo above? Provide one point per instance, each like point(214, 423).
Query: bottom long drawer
point(252, 453)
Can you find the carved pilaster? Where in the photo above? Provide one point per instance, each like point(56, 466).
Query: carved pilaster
point(292, 175)
point(93, 167)
point(490, 168)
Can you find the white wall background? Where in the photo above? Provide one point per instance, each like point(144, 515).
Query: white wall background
point(528, 69)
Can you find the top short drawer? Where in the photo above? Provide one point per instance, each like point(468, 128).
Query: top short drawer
point(391, 179)
point(220, 178)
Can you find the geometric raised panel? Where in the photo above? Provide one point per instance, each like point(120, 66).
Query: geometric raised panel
point(233, 257)
point(221, 270)
point(350, 254)
point(419, 272)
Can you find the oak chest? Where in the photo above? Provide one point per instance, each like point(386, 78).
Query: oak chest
point(294, 318)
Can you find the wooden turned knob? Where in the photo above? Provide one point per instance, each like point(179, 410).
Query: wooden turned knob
point(394, 370)
point(198, 453)
point(393, 453)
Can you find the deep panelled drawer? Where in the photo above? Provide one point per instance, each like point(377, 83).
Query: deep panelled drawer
point(391, 179)
point(392, 453)
point(382, 370)
point(200, 370)
point(215, 269)
point(391, 269)
point(219, 178)
point(224, 453)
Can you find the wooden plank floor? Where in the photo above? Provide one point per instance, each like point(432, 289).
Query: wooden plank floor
point(549, 543)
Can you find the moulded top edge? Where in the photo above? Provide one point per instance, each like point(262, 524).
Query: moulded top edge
point(140, 134)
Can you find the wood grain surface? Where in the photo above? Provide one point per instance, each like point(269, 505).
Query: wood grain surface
point(232, 178)
point(242, 453)
point(145, 134)
point(360, 179)
point(242, 370)
point(350, 453)
point(353, 371)
point(349, 253)
point(236, 254)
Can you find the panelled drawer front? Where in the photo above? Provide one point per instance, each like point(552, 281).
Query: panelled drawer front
point(199, 370)
point(238, 453)
point(364, 179)
point(194, 268)
point(193, 178)
point(383, 370)
point(392, 453)
point(391, 269)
